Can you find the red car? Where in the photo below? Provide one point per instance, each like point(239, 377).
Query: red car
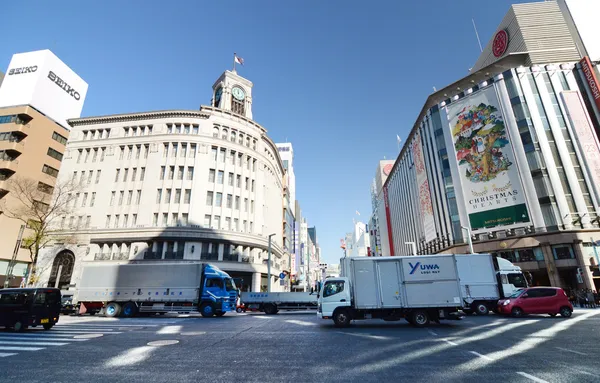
point(537, 300)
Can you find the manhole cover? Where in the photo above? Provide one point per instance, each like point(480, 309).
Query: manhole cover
point(87, 336)
point(158, 343)
point(192, 333)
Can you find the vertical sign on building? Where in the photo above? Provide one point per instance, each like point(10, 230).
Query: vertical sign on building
point(585, 137)
point(425, 204)
point(388, 220)
point(492, 189)
point(592, 80)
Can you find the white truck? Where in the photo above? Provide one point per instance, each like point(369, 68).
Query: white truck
point(418, 288)
point(271, 303)
point(485, 279)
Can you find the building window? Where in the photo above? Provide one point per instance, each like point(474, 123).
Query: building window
point(174, 151)
point(55, 154)
point(190, 173)
point(174, 219)
point(227, 223)
point(129, 197)
point(98, 176)
point(209, 198)
point(184, 219)
point(165, 149)
point(214, 152)
point(193, 151)
point(237, 106)
point(229, 201)
point(219, 199)
point(171, 172)
point(142, 174)
point(165, 219)
point(232, 157)
point(138, 197)
point(252, 206)
point(134, 220)
point(80, 152)
point(146, 150)
point(58, 138)
point(158, 195)
point(232, 136)
point(180, 173)
point(50, 171)
point(247, 183)
point(121, 195)
point(125, 174)
point(138, 151)
point(93, 199)
point(217, 222)
point(238, 181)
point(168, 196)
point(222, 155)
point(211, 175)
point(186, 129)
point(187, 196)
point(183, 150)
point(215, 132)
point(155, 220)
point(195, 129)
point(177, 196)
point(230, 179)
point(133, 174)
point(125, 219)
point(117, 217)
point(117, 175)
point(252, 185)
point(88, 221)
point(224, 134)
point(206, 222)
point(246, 205)
point(107, 224)
point(102, 151)
point(220, 176)
point(237, 202)
point(84, 200)
point(236, 224)
point(90, 176)
point(112, 198)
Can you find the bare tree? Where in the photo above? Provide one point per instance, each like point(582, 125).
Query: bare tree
point(39, 206)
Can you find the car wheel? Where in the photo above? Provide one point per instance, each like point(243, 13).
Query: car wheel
point(517, 312)
point(238, 310)
point(566, 312)
point(481, 309)
point(420, 318)
point(342, 318)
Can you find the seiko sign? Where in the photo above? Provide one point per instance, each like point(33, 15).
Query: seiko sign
point(27, 69)
point(63, 85)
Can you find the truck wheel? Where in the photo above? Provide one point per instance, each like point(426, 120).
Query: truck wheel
point(207, 310)
point(481, 308)
point(113, 309)
point(270, 309)
point(342, 318)
point(129, 310)
point(47, 326)
point(420, 318)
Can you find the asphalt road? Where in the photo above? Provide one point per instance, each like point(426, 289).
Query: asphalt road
point(299, 347)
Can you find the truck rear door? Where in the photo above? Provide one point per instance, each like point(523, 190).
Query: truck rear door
point(389, 284)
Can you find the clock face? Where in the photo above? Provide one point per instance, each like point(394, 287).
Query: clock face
point(238, 93)
point(218, 95)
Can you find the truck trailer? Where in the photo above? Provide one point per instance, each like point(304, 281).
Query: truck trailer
point(146, 287)
point(418, 288)
point(271, 303)
point(485, 279)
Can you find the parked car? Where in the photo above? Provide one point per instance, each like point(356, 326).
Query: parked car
point(537, 300)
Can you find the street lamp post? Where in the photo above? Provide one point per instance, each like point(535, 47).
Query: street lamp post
point(469, 239)
point(269, 266)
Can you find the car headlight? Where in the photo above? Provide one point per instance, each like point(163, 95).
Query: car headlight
point(506, 302)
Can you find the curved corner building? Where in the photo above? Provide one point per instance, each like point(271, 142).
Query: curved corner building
point(174, 185)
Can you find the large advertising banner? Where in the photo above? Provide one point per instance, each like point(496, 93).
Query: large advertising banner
point(425, 204)
point(486, 162)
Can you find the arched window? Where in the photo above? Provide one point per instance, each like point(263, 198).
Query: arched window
point(62, 269)
point(232, 136)
point(248, 141)
point(224, 134)
point(241, 139)
point(216, 132)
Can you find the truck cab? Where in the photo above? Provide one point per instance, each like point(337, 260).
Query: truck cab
point(334, 293)
point(510, 277)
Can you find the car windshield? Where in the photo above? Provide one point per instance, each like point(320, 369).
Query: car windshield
point(516, 294)
point(230, 285)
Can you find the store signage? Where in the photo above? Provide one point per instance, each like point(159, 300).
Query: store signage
point(492, 190)
point(425, 204)
point(60, 82)
point(27, 69)
point(500, 43)
point(388, 217)
point(592, 80)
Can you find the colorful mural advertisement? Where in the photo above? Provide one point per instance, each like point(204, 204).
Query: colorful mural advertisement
point(488, 173)
point(425, 204)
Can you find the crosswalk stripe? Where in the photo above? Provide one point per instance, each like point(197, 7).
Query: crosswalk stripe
point(84, 332)
point(44, 338)
point(107, 325)
point(33, 335)
point(11, 348)
point(31, 343)
point(84, 329)
point(5, 354)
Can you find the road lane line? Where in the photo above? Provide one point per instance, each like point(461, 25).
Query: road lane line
point(5, 354)
point(481, 355)
point(130, 357)
point(38, 338)
point(107, 325)
point(573, 351)
point(83, 329)
point(27, 343)
point(33, 335)
point(11, 348)
point(66, 332)
point(301, 322)
point(169, 330)
point(531, 377)
point(450, 342)
point(378, 337)
point(432, 333)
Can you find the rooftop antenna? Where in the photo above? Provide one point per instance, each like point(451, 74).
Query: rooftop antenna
point(477, 34)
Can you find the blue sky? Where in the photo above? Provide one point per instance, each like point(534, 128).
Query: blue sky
point(337, 78)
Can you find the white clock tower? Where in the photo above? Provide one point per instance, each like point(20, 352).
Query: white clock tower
point(234, 93)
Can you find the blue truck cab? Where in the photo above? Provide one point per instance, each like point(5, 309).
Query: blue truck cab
point(218, 293)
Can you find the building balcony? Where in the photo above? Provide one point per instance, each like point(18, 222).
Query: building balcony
point(9, 164)
point(12, 147)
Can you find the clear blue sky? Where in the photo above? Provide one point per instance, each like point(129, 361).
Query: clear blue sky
point(337, 78)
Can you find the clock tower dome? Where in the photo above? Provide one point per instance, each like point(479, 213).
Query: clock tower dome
point(233, 93)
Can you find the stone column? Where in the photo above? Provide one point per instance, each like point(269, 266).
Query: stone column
point(588, 279)
point(550, 265)
point(256, 279)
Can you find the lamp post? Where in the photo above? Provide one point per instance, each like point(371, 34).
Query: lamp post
point(269, 266)
point(469, 238)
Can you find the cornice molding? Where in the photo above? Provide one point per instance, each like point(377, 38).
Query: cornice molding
point(137, 116)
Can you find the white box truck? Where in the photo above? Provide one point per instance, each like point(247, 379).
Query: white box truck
point(418, 288)
point(271, 303)
point(485, 279)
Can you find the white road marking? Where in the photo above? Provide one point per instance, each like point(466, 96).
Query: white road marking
point(169, 330)
point(432, 333)
point(378, 337)
point(17, 337)
point(11, 348)
point(130, 357)
point(69, 328)
point(26, 343)
point(450, 342)
point(5, 354)
point(301, 322)
point(531, 377)
point(65, 332)
point(77, 325)
point(262, 317)
point(481, 355)
point(573, 351)
point(34, 335)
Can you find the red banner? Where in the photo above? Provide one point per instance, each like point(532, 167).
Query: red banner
point(592, 80)
point(389, 220)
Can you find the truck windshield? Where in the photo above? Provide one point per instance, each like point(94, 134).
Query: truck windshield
point(517, 279)
point(230, 284)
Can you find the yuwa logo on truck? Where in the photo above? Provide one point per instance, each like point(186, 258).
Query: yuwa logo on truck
point(432, 268)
